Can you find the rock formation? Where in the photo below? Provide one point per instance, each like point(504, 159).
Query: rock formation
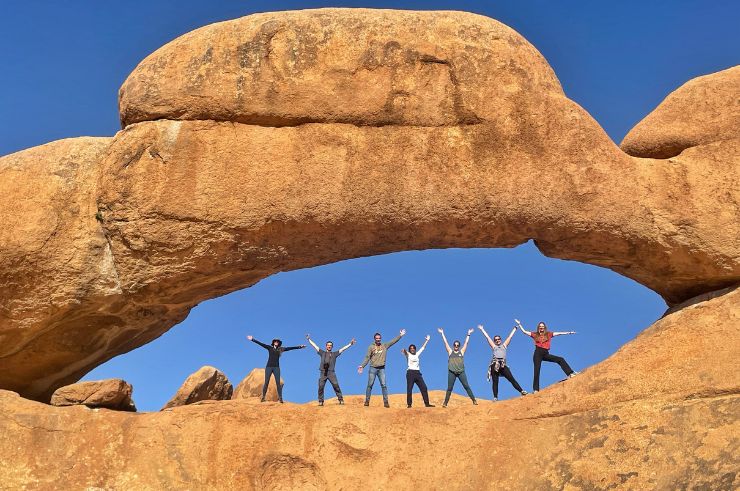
point(112, 393)
point(702, 111)
point(641, 419)
point(251, 386)
point(246, 152)
point(294, 139)
point(206, 384)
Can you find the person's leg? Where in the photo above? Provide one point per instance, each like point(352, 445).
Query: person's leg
point(322, 384)
point(409, 386)
point(371, 374)
point(276, 374)
point(510, 377)
point(383, 387)
point(268, 372)
point(537, 359)
point(450, 383)
point(423, 388)
point(464, 381)
point(332, 376)
point(494, 382)
point(560, 361)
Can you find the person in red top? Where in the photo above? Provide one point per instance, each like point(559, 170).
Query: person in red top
point(542, 339)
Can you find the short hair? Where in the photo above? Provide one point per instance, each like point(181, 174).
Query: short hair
point(377, 334)
point(457, 341)
point(330, 342)
point(412, 346)
point(280, 343)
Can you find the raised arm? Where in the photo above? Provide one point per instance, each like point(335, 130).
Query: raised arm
point(467, 339)
point(447, 345)
point(490, 341)
point(426, 340)
point(562, 333)
point(521, 328)
point(310, 341)
point(266, 346)
point(396, 339)
point(348, 346)
point(508, 339)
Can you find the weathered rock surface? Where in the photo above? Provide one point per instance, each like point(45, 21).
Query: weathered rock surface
point(702, 111)
point(112, 393)
point(190, 210)
point(206, 384)
point(251, 386)
point(649, 417)
point(358, 66)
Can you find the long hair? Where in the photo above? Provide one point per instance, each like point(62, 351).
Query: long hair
point(409, 349)
point(541, 337)
point(279, 343)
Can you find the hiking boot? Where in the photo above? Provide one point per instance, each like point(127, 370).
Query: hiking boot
point(385, 404)
point(444, 405)
point(524, 392)
point(321, 403)
point(281, 401)
point(262, 399)
point(408, 406)
point(367, 403)
point(572, 374)
point(475, 403)
point(429, 405)
point(341, 402)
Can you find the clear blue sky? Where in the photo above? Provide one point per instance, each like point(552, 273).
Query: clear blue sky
point(63, 62)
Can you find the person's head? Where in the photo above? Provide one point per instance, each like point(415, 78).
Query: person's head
point(456, 345)
point(497, 340)
point(329, 345)
point(412, 349)
point(276, 343)
point(541, 330)
point(378, 338)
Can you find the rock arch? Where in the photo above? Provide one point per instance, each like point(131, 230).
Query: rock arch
point(278, 141)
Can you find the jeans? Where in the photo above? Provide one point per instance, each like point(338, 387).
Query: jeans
point(371, 374)
point(414, 377)
point(275, 372)
point(331, 376)
point(540, 355)
point(451, 377)
point(506, 373)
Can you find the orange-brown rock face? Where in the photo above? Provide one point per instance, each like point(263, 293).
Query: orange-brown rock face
point(251, 386)
point(661, 413)
point(206, 384)
point(702, 111)
point(179, 211)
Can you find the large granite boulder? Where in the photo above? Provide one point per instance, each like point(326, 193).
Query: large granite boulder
point(111, 393)
point(206, 384)
point(251, 386)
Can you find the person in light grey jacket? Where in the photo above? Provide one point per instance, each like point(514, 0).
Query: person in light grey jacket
point(498, 366)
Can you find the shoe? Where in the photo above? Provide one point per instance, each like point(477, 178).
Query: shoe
point(524, 392)
point(572, 374)
point(535, 391)
point(444, 405)
point(341, 402)
point(367, 403)
point(495, 399)
point(429, 405)
point(385, 403)
point(475, 403)
point(262, 399)
point(281, 401)
point(321, 403)
point(408, 406)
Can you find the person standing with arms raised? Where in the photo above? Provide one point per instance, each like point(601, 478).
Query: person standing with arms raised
point(376, 355)
point(413, 373)
point(498, 364)
point(326, 367)
point(456, 366)
point(542, 338)
point(275, 350)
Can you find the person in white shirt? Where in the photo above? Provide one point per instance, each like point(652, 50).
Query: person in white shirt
point(413, 373)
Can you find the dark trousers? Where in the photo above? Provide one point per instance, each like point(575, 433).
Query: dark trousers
point(331, 376)
point(275, 372)
point(506, 373)
point(451, 376)
point(540, 355)
point(414, 377)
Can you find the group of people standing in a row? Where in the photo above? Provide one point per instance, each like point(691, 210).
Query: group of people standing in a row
point(376, 359)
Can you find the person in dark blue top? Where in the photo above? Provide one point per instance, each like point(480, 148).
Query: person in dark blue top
point(274, 350)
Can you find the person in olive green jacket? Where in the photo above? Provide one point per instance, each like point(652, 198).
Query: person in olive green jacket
point(376, 355)
point(456, 366)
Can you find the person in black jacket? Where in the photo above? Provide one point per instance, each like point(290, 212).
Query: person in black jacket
point(274, 350)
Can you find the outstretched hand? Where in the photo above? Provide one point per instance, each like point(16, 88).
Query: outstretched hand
point(428, 337)
point(402, 332)
point(308, 336)
point(480, 326)
point(440, 330)
point(250, 337)
point(359, 370)
point(353, 341)
point(470, 331)
point(301, 346)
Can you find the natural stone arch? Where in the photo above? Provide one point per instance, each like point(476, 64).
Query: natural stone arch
point(177, 212)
